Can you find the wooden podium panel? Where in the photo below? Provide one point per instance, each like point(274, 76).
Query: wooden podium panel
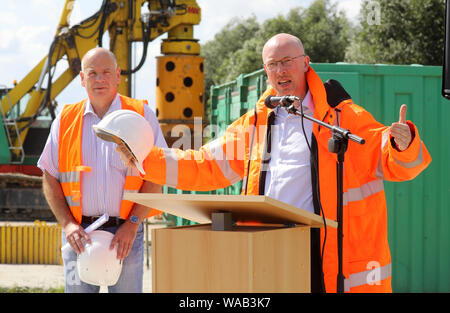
point(247, 259)
point(198, 208)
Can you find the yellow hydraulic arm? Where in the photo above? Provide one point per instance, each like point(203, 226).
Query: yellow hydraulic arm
point(126, 21)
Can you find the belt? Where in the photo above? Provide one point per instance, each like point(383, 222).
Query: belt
point(112, 221)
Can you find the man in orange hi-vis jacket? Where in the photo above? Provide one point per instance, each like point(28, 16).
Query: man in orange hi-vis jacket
point(83, 177)
point(279, 155)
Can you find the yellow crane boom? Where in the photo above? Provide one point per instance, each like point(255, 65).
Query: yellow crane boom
point(126, 21)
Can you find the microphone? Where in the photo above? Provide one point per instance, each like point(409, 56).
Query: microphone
point(272, 101)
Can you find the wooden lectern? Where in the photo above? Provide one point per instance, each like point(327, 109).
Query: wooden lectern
point(271, 257)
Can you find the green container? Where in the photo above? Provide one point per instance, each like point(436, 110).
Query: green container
point(5, 154)
point(418, 210)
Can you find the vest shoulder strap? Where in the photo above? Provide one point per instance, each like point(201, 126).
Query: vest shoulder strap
point(70, 111)
point(133, 104)
point(71, 123)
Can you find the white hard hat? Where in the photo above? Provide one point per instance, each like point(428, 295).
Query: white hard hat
point(132, 129)
point(98, 265)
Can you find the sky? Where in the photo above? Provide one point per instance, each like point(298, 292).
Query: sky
point(27, 28)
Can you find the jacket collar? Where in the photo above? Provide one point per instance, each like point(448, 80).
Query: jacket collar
point(115, 105)
point(318, 93)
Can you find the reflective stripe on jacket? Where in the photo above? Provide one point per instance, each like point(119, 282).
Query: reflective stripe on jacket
point(244, 150)
point(70, 158)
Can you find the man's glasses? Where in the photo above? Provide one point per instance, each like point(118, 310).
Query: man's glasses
point(286, 63)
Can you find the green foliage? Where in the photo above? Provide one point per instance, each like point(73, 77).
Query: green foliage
point(324, 31)
point(237, 47)
point(227, 41)
point(407, 32)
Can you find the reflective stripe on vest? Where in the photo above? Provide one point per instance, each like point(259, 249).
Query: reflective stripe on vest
point(416, 162)
point(364, 191)
point(216, 148)
point(370, 277)
point(171, 158)
point(69, 177)
point(384, 141)
point(71, 202)
point(213, 150)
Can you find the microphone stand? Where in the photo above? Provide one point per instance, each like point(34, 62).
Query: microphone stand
point(338, 144)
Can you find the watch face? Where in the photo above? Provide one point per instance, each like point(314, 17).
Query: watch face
point(134, 219)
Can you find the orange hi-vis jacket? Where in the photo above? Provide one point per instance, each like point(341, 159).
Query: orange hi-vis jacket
point(242, 153)
point(70, 158)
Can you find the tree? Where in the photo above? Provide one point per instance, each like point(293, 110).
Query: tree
point(227, 41)
point(407, 32)
point(236, 49)
point(324, 31)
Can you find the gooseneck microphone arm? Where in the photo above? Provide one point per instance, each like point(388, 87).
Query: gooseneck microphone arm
point(288, 102)
point(334, 129)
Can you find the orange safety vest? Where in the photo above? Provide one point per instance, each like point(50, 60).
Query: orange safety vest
point(241, 154)
point(70, 158)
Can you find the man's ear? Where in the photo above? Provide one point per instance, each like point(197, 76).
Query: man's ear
point(82, 79)
point(306, 60)
point(119, 77)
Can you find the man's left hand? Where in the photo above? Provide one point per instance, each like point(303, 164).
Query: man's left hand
point(125, 155)
point(124, 239)
point(400, 131)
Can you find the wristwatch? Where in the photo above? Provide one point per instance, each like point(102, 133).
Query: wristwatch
point(134, 219)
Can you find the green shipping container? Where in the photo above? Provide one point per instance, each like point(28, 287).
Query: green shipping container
point(418, 210)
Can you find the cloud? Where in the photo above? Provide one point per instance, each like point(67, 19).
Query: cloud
point(25, 37)
point(7, 38)
point(215, 14)
point(8, 23)
point(27, 29)
point(84, 9)
point(42, 3)
point(350, 7)
point(8, 18)
point(20, 51)
point(27, 40)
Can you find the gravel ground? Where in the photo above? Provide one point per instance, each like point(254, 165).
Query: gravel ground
point(52, 276)
point(47, 276)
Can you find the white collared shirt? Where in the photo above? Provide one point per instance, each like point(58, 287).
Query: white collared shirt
point(102, 188)
point(288, 177)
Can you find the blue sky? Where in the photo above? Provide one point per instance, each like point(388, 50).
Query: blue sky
point(28, 26)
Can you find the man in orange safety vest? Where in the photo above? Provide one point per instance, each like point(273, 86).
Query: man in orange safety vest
point(83, 177)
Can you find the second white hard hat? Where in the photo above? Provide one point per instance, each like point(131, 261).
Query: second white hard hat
point(132, 129)
point(98, 265)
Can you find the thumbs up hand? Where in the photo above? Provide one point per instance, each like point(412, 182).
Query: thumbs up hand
point(400, 131)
